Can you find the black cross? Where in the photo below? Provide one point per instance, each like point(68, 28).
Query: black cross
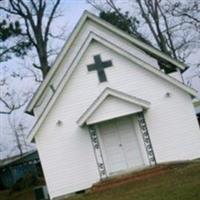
point(100, 66)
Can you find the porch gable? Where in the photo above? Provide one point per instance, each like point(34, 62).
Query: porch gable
point(107, 105)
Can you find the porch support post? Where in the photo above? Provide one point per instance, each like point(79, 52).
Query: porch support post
point(97, 151)
point(146, 138)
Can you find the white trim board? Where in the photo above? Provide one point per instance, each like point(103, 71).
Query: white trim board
point(196, 102)
point(86, 17)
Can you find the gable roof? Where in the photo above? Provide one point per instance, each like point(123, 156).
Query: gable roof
point(102, 98)
point(85, 17)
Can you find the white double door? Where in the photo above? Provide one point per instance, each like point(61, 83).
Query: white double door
point(121, 149)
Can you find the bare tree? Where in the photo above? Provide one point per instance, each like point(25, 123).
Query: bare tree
point(18, 129)
point(32, 29)
point(2, 150)
point(189, 15)
point(189, 12)
point(37, 16)
point(15, 131)
point(168, 34)
point(11, 31)
point(10, 99)
point(10, 105)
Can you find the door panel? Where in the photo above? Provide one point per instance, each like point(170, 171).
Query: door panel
point(120, 144)
point(114, 154)
point(129, 142)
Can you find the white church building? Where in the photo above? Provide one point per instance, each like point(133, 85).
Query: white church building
point(110, 104)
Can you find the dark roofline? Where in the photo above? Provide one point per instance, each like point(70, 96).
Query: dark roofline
point(14, 159)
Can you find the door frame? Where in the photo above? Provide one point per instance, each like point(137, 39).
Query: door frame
point(140, 139)
point(135, 126)
point(102, 149)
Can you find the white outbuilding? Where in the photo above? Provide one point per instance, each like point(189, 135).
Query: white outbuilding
point(110, 104)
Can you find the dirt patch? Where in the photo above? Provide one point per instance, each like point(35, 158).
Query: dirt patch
point(131, 177)
point(22, 195)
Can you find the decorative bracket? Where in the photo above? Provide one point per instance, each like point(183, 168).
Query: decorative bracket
point(97, 152)
point(146, 139)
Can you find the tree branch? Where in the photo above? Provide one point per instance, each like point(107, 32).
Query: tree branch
point(50, 20)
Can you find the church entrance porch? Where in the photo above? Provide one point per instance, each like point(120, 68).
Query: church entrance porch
point(120, 146)
point(118, 132)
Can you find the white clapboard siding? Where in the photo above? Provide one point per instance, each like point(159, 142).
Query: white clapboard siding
point(111, 108)
point(91, 27)
point(66, 152)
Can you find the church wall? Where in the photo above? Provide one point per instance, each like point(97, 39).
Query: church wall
point(65, 149)
point(65, 62)
point(173, 128)
point(129, 47)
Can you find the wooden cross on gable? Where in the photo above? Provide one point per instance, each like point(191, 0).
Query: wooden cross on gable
point(99, 66)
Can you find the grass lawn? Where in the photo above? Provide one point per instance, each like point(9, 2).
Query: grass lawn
point(180, 182)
